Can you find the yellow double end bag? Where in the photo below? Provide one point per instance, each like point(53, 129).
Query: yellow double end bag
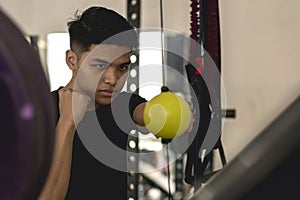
point(167, 115)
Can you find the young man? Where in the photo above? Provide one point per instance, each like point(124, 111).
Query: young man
point(101, 44)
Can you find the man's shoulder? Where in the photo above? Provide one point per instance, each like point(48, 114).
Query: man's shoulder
point(54, 93)
point(132, 96)
point(55, 98)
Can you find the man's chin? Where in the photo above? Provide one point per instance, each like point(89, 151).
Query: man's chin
point(103, 101)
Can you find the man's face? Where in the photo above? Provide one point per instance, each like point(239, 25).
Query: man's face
point(103, 72)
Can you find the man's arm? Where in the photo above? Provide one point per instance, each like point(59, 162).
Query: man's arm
point(57, 182)
point(138, 117)
point(138, 114)
point(58, 178)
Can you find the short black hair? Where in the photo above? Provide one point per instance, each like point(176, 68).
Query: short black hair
point(98, 25)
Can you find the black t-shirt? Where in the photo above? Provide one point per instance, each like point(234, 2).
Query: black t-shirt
point(91, 178)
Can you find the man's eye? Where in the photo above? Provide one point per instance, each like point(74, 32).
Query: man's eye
point(123, 67)
point(100, 66)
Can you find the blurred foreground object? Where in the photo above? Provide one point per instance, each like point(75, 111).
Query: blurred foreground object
point(267, 168)
point(27, 116)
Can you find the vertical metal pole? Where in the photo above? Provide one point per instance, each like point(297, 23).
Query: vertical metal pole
point(133, 17)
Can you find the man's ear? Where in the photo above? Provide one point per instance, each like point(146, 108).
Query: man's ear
point(71, 60)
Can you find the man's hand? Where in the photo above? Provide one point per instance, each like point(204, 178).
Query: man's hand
point(72, 105)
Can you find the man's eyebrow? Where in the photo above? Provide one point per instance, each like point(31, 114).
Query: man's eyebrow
point(126, 63)
point(100, 60)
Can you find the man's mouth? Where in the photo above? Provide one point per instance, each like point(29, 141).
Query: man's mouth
point(106, 92)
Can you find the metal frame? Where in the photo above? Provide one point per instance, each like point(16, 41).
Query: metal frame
point(133, 16)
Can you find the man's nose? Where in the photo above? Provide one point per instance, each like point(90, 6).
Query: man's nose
point(110, 76)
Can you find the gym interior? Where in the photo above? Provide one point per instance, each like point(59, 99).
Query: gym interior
point(248, 52)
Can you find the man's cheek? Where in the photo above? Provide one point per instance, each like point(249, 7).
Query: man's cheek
point(122, 81)
point(87, 86)
point(89, 81)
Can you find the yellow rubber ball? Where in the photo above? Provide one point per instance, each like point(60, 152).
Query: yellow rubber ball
point(167, 115)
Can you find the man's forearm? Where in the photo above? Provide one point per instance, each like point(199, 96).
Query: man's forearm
point(59, 174)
